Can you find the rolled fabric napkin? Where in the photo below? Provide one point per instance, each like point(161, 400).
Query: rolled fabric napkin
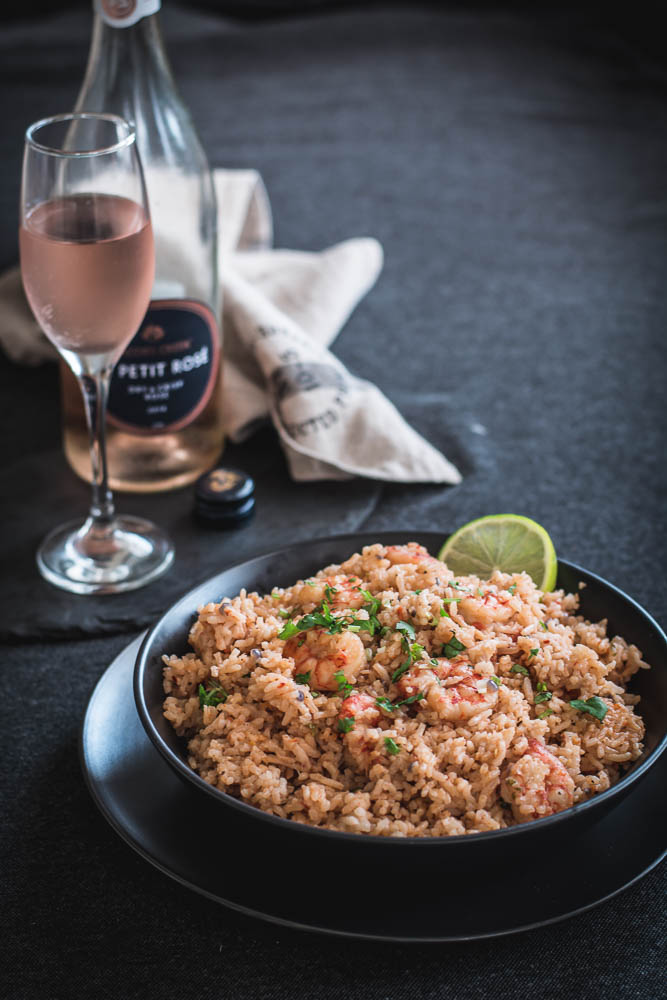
point(282, 310)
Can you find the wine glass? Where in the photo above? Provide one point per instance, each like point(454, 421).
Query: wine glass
point(87, 263)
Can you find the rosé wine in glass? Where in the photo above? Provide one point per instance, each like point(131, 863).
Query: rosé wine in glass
point(88, 262)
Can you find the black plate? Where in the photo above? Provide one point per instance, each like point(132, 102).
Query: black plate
point(599, 599)
point(288, 880)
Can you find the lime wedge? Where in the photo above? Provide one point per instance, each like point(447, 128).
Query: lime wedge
point(508, 542)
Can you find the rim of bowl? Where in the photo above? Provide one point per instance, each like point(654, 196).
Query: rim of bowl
point(290, 825)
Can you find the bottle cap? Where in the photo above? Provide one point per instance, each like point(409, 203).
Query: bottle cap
point(224, 496)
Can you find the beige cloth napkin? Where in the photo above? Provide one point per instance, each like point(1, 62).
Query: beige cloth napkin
point(282, 310)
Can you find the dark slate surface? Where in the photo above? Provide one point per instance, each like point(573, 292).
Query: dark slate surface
point(285, 512)
point(513, 167)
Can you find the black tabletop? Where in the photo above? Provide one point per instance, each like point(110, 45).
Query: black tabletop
point(513, 167)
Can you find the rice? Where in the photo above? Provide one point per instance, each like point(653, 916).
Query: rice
point(384, 696)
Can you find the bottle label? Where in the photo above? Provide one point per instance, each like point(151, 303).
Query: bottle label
point(123, 13)
point(166, 376)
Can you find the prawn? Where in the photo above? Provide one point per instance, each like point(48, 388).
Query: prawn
point(360, 707)
point(537, 784)
point(410, 553)
point(451, 688)
point(339, 591)
point(359, 713)
point(486, 608)
point(323, 655)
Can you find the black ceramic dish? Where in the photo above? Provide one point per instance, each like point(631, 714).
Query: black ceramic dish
point(599, 599)
point(173, 826)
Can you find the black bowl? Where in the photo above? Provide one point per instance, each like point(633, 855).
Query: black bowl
point(599, 599)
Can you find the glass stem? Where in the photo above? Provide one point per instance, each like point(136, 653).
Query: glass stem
point(95, 389)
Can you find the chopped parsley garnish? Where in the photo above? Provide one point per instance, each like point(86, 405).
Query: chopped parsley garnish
point(594, 706)
point(329, 591)
point(417, 591)
point(544, 626)
point(392, 746)
point(414, 650)
point(452, 648)
point(214, 696)
point(442, 614)
point(344, 686)
point(546, 713)
point(534, 652)
point(512, 589)
point(283, 613)
point(345, 725)
point(518, 668)
point(322, 618)
point(544, 693)
point(496, 680)
point(391, 706)
point(371, 607)
point(411, 699)
point(404, 667)
point(363, 625)
point(302, 678)
point(406, 628)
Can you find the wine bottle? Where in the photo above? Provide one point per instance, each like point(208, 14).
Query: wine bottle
point(164, 414)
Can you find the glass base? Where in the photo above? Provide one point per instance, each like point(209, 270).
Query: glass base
point(83, 559)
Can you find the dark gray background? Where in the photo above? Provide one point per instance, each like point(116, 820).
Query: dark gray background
point(513, 166)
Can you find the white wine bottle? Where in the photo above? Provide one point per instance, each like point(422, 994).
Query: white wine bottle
point(164, 423)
